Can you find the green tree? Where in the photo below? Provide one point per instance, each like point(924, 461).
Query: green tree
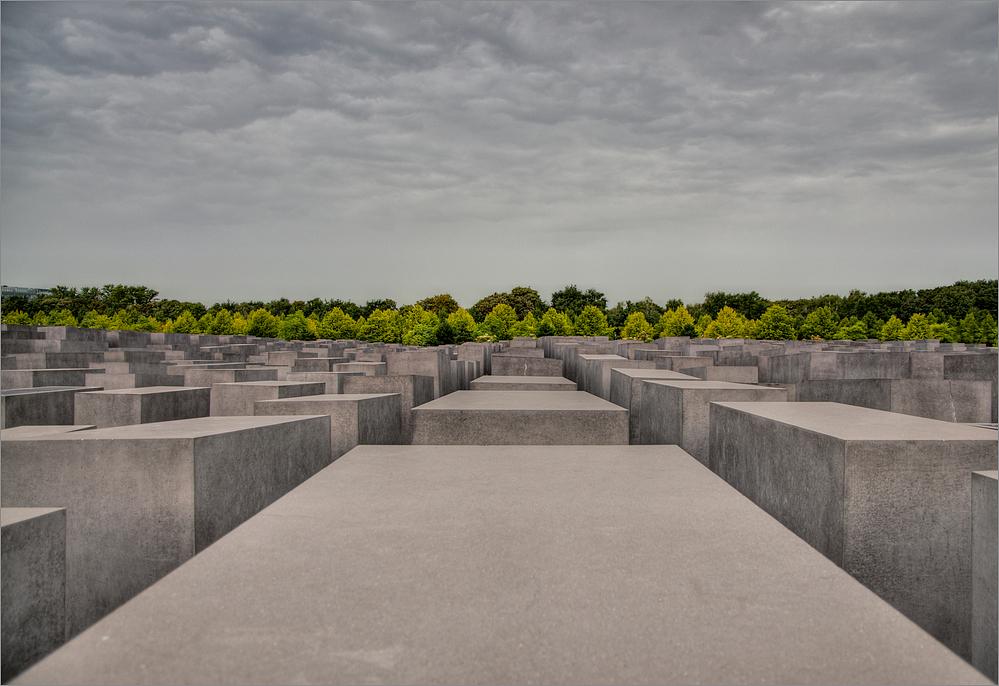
point(851, 330)
point(446, 335)
point(821, 324)
point(442, 305)
point(337, 325)
point(16, 317)
point(728, 324)
point(63, 318)
point(673, 322)
point(967, 330)
point(185, 323)
point(592, 322)
point(573, 301)
point(295, 327)
point(893, 330)
point(917, 329)
point(222, 324)
point(637, 328)
point(369, 307)
point(383, 325)
point(987, 331)
point(776, 324)
point(262, 323)
point(463, 324)
point(558, 322)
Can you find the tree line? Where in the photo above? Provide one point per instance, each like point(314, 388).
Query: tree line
point(962, 312)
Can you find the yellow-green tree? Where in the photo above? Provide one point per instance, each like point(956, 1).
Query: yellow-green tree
point(382, 325)
point(558, 321)
point(674, 322)
point(637, 328)
point(917, 329)
point(775, 324)
point(893, 330)
point(592, 322)
point(337, 324)
point(463, 325)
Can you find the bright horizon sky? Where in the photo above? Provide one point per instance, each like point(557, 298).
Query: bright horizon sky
point(250, 151)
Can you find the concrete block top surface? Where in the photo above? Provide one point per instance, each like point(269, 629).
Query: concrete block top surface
point(519, 400)
point(177, 429)
point(271, 383)
point(9, 516)
point(327, 398)
point(852, 423)
point(151, 390)
point(524, 380)
point(662, 374)
point(507, 564)
point(49, 389)
point(699, 385)
point(28, 431)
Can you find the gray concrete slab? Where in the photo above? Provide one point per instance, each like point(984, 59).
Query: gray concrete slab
point(523, 365)
point(125, 406)
point(433, 362)
point(520, 418)
point(946, 400)
point(984, 573)
point(36, 378)
point(413, 390)
point(626, 391)
point(975, 367)
point(354, 418)
point(45, 406)
point(678, 412)
point(196, 375)
point(491, 564)
point(332, 380)
point(522, 383)
point(728, 373)
point(39, 431)
point(33, 581)
point(886, 496)
point(142, 499)
point(234, 399)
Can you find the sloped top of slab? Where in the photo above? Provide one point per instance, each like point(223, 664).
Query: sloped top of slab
point(546, 380)
point(507, 564)
point(180, 428)
point(519, 400)
point(664, 374)
point(698, 384)
point(852, 423)
point(151, 390)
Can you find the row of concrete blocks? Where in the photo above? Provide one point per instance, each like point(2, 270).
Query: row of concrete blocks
point(442, 564)
point(959, 387)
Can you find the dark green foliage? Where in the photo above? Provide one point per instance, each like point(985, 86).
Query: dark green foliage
point(573, 301)
point(545, 329)
point(688, 330)
point(523, 300)
point(373, 305)
point(347, 307)
point(618, 315)
point(442, 305)
point(446, 335)
point(750, 305)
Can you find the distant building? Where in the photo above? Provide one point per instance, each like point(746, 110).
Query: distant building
point(26, 292)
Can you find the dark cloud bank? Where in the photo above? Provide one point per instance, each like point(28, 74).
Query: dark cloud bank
point(255, 150)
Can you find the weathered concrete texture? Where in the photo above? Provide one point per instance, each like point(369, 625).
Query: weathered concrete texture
point(332, 380)
point(626, 391)
point(142, 499)
point(198, 376)
point(948, 401)
point(367, 368)
point(28, 431)
point(886, 496)
point(594, 372)
point(726, 373)
point(984, 556)
point(33, 580)
point(681, 363)
point(316, 364)
point(237, 399)
point(37, 378)
point(520, 418)
point(477, 352)
point(433, 362)
point(976, 367)
point(458, 564)
point(354, 418)
point(122, 407)
point(523, 383)
point(413, 390)
point(522, 365)
point(40, 406)
point(678, 412)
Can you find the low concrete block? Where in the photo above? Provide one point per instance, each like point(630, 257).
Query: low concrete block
point(366, 368)
point(681, 363)
point(333, 380)
point(354, 418)
point(125, 406)
point(142, 499)
point(727, 373)
point(948, 401)
point(197, 376)
point(520, 418)
point(975, 367)
point(886, 496)
point(678, 412)
point(39, 431)
point(984, 556)
point(433, 362)
point(33, 580)
point(413, 390)
point(508, 564)
point(37, 378)
point(40, 406)
point(595, 371)
point(626, 391)
point(235, 399)
point(522, 365)
point(522, 383)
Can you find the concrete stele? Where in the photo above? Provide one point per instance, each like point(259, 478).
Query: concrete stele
point(504, 564)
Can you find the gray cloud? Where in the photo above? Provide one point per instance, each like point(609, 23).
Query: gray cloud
point(360, 150)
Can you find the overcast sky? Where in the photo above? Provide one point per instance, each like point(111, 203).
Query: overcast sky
point(251, 151)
